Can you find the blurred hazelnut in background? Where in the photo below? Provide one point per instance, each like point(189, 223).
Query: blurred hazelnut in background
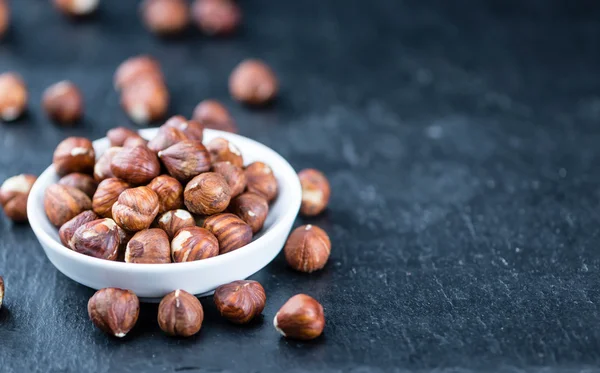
point(63, 102)
point(165, 17)
point(13, 96)
point(212, 114)
point(216, 17)
point(253, 82)
point(4, 17)
point(77, 8)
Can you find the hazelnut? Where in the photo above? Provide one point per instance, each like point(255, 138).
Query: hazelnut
point(102, 169)
point(4, 21)
point(135, 209)
point(118, 135)
point(301, 317)
point(222, 150)
point(136, 166)
point(150, 246)
point(169, 192)
point(98, 238)
point(14, 193)
point(207, 194)
point(68, 229)
point(307, 249)
point(253, 82)
point(74, 154)
point(106, 195)
point(165, 137)
point(165, 17)
point(230, 230)
point(251, 208)
point(62, 203)
point(63, 102)
point(216, 17)
point(191, 128)
point(1, 290)
point(132, 142)
point(234, 175)
point(193, 243)
point(172, 221)
point(315, 192)
point(240, 301)
point(260, 180)
point(83, 182)
point(213, 114)
point(180, 314)
point(134, 68)
point(114, 311)
point(76, 8)
point(145, 100)
point(13, 96)
point(185, 160)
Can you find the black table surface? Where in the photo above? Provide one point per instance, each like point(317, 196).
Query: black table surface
point(461, 141)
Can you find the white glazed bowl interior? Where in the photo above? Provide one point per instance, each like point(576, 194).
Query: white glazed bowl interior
point(198, 277)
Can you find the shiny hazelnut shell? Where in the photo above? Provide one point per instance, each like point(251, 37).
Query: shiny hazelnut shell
point(14, 193)
point(301, 317)
point(193, 243)
point(74, 154)
point(83, 182)
point(231, 231)
point(98, 238)
point(136, 166)
point(207, 194)
point(135, 209)
point(102, 168)
point(251, 208)
point(185, 160)
point(68, 229)
point(307, 248)
point(114, 311)
point(261, 180)
point(62, 203)
point(172, 221)
point(180, 314)
point(149, 246)
point(169, 192)
point(222, 150)
point(234, 175)
point(106, 195)
point(240, 301)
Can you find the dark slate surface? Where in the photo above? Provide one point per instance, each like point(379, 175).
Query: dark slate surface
point(461, 140)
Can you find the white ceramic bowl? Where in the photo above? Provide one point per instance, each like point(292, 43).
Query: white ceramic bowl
point(152, 281)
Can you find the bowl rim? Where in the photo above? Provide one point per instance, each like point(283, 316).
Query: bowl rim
point(36, 213)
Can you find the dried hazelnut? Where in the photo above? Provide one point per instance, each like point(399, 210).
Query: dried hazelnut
point(114, 311)
point(135, 209)
point(191, 128)
point(74, 154)
point(62, 203)
point(145, 100)
point(150, 246)
point(77, 8)
point(172, 221)
point(14, 193)
point(193, 243)
point(213, 114)
point(230, 230)
point(63, 102)
point(234, 175)
point(216, 17)
point(13, 96)
point(102, 169)
point(222, 150)
point(165, 17)
point(251, 208)
point(260, 180)
point(180, 314)
point(301, 317)
point(169, 192)
point(98, 238)
point(185, 160)
point(315, 192)
point(207, 194)
point(132, 142)
point(134, 68)
point(253, 82)
point(240, 301)
point(106, 195)
point(118, 135)
point(68, 229)
point(307, 249)
point(165, 137)
point(4, 22)
point(83, 182)
point(1, 291)
point(136, 166)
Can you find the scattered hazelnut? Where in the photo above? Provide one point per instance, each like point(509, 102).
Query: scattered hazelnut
point(14, 193)
point(83, 182)
point(169, 192)
point(165, 137)
point(114, 311)
point(315, 192)
point(106, 195)
point(74, 154)
point(172, 221)
point(118, 135)
point(145, 100)
point(222, 150)
point(165, 17)
point(1, 290)
point(251, 208)
point(62, 203)
point(136, 166)
point(98, 238)
point(230, 230)
point(63, 102)
point(213, 114)
point(185, 160)
point(68, 229)
point(150, 246)
point(134, 68)
point(192, 129)
point(132, 142)
point(135, 209)
point(102, 169)
point(216, 17)
point(76, 8)
point(4, 22)
point(207, 194)
point(180, 314)
point(260, 180)
point(253, 82)
point(240, 301)
point(307, 249)
point(301, 317)
point(13, 96)
point(193, 243)
point(234, 175)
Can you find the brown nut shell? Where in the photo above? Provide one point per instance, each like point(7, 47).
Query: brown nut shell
point(68, 229)
point(260, 180)
point(98, 238)
point(62, 203)
point(207, 194)
point(76, 8)
point(253, 82)
point(135, 209)
point(185, 160)
point(169, 192)
point(180, 314)
point(83, 182)
point(4, 22)
point(307, 249)
point(134, 68)
point(240, 301)
point(14, 194)
point(193, 243)
point(222, 150)
point(136, 166)
point(106, 195)
point(102, 168)
point(192, 129)
point(74, 154)
point(118, 135)
point(301, 317)
point(234, 175)
point(165, 17)
point(149, 246)
point(165, 137)
point(172, 221)
point(145, 100)
point(63, 102)
point(114, 311)
point(230, 230)
point(315, 192)
point(212, 114)
point(216, 17)
point(13, 96)
point(252, 209)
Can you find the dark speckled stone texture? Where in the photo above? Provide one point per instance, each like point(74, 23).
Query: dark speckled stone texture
point(461, 141)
